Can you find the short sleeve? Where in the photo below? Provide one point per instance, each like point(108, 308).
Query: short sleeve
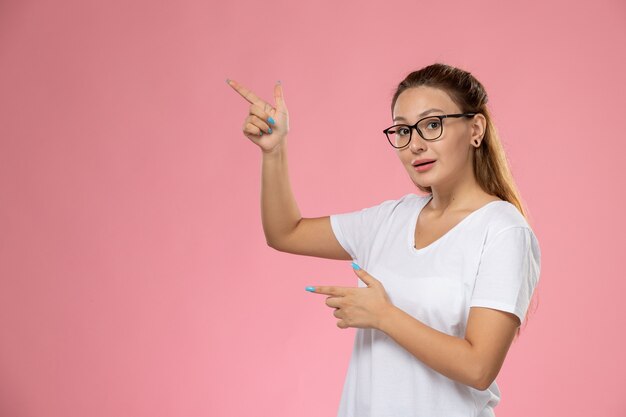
point(352, 229)
point(508, 271)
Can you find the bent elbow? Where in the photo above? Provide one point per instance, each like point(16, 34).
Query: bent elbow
point(274, 245)
point(483, 381)
point(482, 385)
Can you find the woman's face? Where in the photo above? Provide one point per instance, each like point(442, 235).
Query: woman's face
point(452, 151)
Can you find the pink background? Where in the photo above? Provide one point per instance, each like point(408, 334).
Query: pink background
point(135, 279)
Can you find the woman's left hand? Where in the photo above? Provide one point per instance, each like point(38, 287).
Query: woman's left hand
point(358, 307)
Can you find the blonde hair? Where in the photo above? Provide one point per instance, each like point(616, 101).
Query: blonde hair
point(491, 167)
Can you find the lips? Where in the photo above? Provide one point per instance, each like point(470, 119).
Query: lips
point(425, 163)
point(422, 162)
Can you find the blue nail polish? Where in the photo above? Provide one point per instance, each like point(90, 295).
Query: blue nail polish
point(270, 130)
point(310, 288)
point(271, 120)
point(355, 266)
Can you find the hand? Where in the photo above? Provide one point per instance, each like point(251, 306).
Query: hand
point(257, 125)
point(358, 307)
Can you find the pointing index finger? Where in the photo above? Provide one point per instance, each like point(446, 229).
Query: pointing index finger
point(244, 92)
point(336, 291)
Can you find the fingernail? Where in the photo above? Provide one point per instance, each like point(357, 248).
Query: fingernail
point(355, 266)
point(310, 288)
point(279, 82)
point(269, 130)
point(271, 120)
point(227, 80)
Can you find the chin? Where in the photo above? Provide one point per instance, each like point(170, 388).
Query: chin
point(418, 178)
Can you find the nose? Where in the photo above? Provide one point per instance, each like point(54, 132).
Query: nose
point(417, 142)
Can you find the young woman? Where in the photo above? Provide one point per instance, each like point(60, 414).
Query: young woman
point(446, 278)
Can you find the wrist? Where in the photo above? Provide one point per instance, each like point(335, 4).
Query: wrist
point(276, 151)
point(387, 317)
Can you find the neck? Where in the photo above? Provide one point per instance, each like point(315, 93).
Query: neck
point(456, 195)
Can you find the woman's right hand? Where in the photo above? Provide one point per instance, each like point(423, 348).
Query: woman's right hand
point(258, 124)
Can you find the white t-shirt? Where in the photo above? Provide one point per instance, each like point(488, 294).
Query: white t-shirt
point(490, 259)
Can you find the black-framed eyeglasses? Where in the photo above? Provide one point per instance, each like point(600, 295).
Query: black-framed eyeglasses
point(429, 128)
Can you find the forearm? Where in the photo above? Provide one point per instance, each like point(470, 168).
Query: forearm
point(448, 355)
point(279, 210)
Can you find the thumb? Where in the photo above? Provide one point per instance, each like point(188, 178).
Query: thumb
point(279, 98)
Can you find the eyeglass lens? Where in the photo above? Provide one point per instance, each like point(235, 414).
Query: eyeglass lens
point(400, 135)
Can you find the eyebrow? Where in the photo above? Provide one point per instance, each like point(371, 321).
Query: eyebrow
point(424, 113)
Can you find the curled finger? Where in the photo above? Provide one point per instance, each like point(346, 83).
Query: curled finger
point(260, 123)
point(252, 129)
point(262, 113)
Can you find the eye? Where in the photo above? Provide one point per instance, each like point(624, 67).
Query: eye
point(403, 131)
point(429, 125)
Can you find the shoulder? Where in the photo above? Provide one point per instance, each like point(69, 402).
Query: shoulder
point(502, 215)
point(411, 199)
point(381, 211)
point(395, 209)
point(406, 200)
point(505, 223)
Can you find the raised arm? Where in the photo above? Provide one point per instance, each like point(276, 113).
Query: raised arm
point(285, 229)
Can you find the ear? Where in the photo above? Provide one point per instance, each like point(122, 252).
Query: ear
point(479, 127)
